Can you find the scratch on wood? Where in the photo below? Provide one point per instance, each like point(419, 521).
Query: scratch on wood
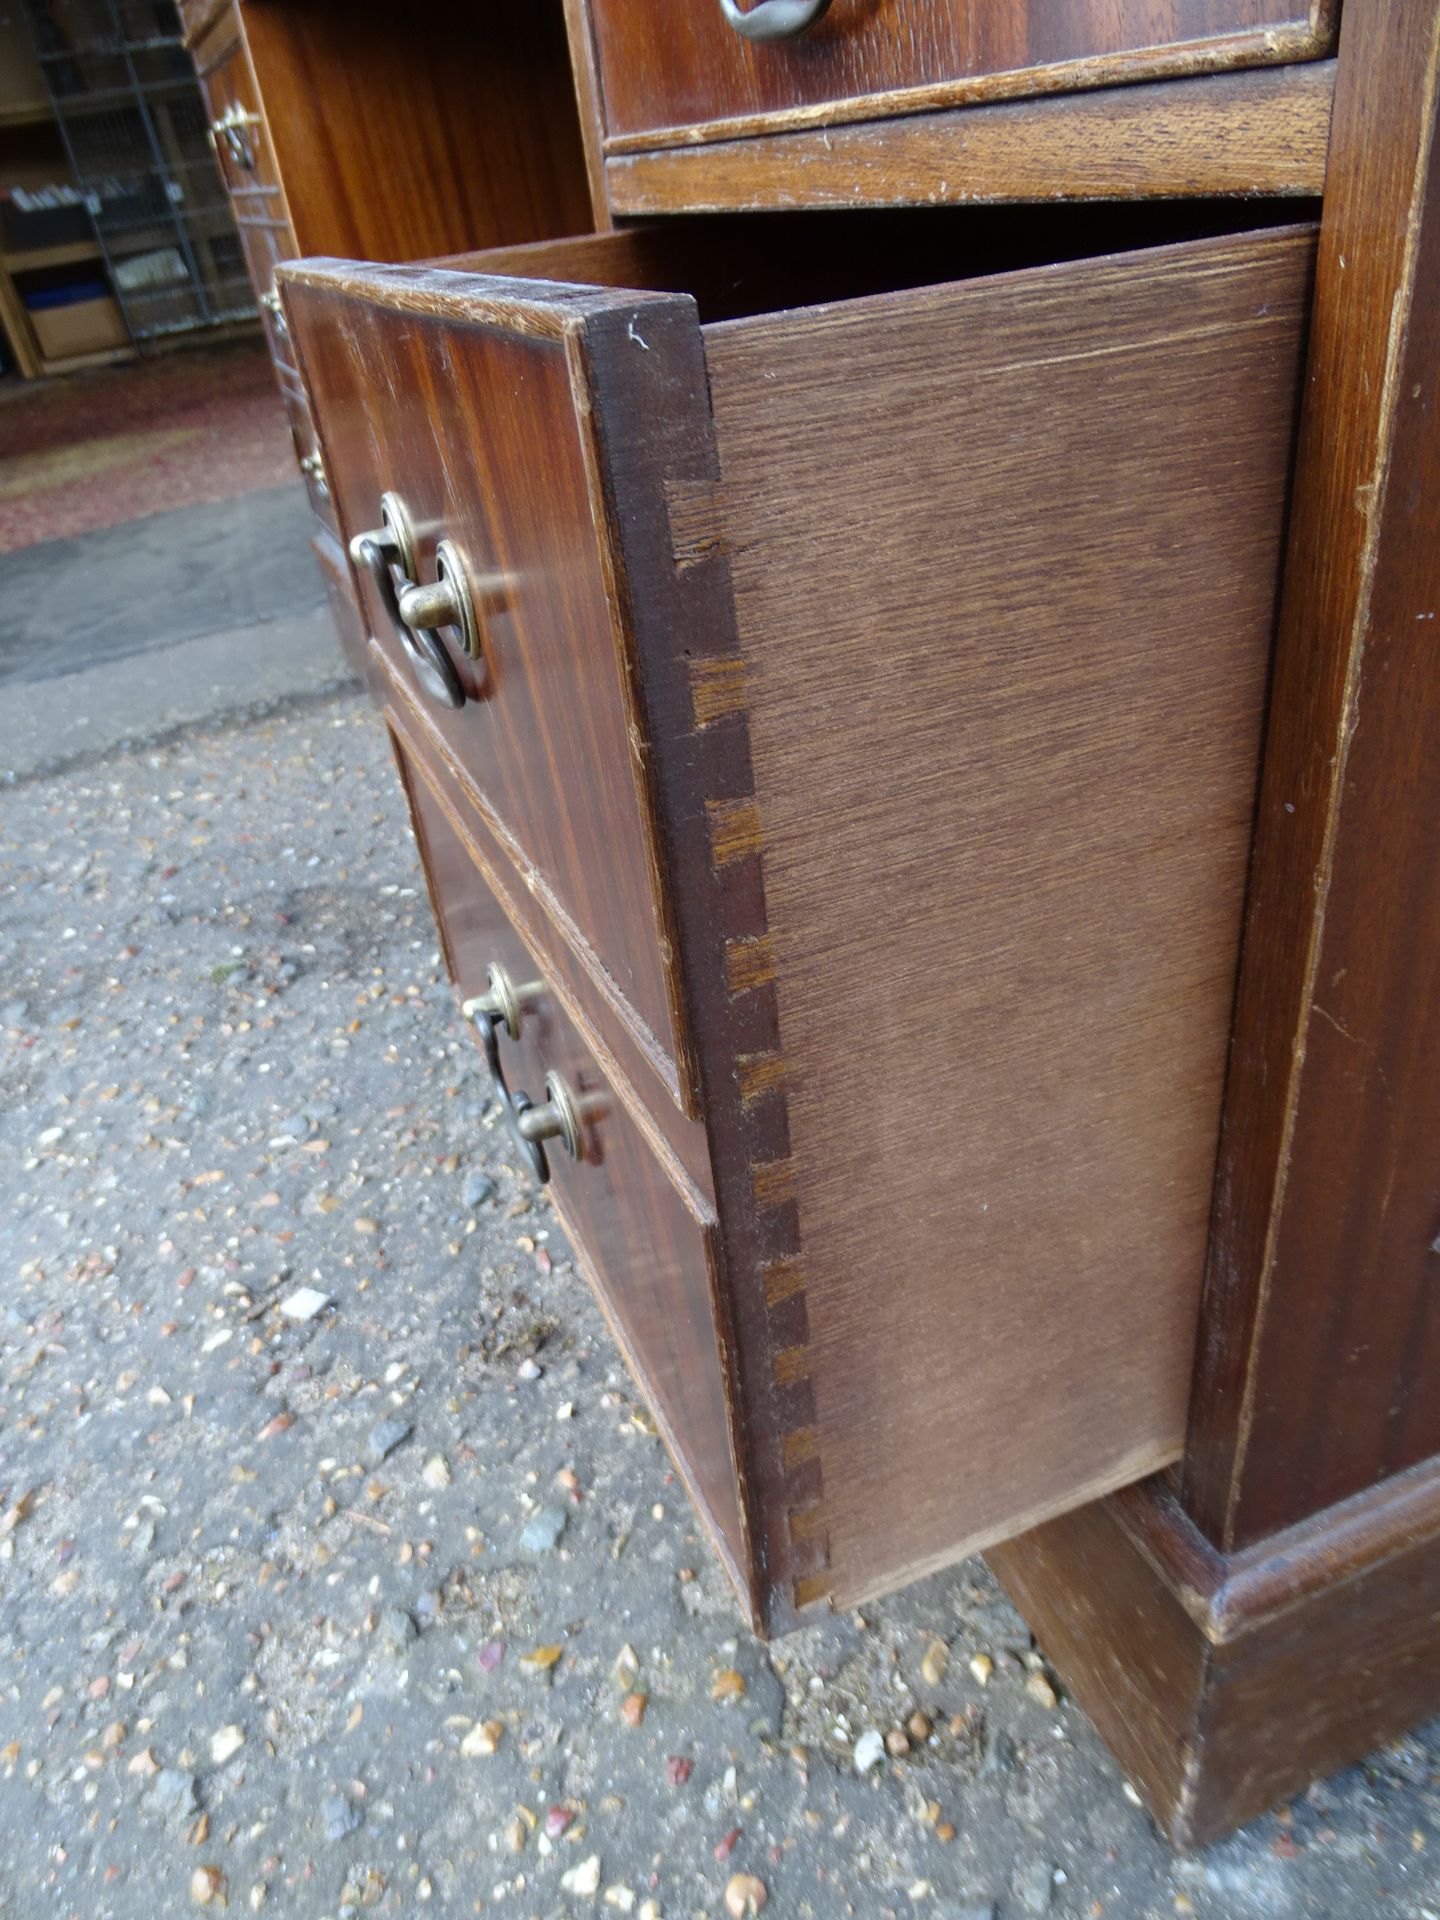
point(749, 963)
point(734, 829)
point(696, 524)
point(717, 689)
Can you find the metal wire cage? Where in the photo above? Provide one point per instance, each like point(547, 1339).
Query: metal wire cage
point(134, 126)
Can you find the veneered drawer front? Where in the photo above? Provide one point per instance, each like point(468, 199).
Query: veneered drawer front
point(482, 432)
point(340, 592)
point(587, 993)
point(267, 241)
point(307, 447)
point(237, 127)
point(665, 68)
point(643, 1231)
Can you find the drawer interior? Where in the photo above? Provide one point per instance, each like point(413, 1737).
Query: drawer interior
point(738, 266)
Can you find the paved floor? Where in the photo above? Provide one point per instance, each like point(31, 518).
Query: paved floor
point(333, 1541)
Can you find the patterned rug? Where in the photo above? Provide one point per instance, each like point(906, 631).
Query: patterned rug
point(179, 429)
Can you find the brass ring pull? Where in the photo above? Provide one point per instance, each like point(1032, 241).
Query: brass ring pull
point(504, 1000)
point(529, 1125)
point(233, 129)
point(449, 601)
point(390, 551)
point(773, 19)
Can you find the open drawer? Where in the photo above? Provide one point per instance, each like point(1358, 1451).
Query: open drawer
point(863, 672)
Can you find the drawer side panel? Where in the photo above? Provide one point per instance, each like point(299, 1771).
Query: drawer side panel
point(1005, 560)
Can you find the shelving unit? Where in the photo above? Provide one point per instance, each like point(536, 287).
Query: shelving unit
point(109, 103)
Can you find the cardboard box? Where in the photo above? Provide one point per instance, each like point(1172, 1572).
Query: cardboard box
point(82, 326)
point(23, 94)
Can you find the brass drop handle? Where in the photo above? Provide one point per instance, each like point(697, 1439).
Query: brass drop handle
point(312, 465)
point(502, 1000)
point(233, 129)
point(449, 600)
point(500, 1009)
point(773, 19)
point(385, 553)
point(558, 1119)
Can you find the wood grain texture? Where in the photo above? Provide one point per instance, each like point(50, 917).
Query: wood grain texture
point(394, 142)
point(587, 96)
point(480, 431)
point(1262, 131)
point(334, 567)
point(670, 75)
point(1321, 1325)
point(654, 446)
point(1005, 692)
point(1200, 1669)
point(643, 1237)
point(992, 722)
point(582, 989)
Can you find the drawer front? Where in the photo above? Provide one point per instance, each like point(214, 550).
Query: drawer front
point(267, 241)
point(307, 448)
point(665, 70)
point(481, 433)
point(340, 593)
point(237, 128)
point(642, 1233)
point(584, 991)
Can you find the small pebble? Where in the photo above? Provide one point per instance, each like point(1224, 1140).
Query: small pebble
point(478, 1189)
point(207, 1886)
point(304, 1303)
point(744, 1894)
point(385, 1437)
point(225, 1744)
point(339, 1816)
point(869, 1750)
point(583, 1879)
point(541, 1532)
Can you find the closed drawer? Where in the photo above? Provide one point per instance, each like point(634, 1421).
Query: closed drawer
point(267, 241)
point(237, 126)
point(587, 992)
point(668, 73)
point(642, 1230)
point(908, 590)
point(340, 593)
point(307, 447)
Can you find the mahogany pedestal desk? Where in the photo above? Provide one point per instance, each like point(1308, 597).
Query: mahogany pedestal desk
point(925, 711)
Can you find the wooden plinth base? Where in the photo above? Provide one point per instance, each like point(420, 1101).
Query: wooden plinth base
point(1226, 1683)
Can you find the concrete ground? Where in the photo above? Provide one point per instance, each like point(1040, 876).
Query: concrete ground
point(340, 1568)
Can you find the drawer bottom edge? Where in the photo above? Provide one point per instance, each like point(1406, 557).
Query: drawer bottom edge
point(1139, 1464)
point(739, 1579)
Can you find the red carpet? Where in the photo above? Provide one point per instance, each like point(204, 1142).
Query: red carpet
point(95, 449)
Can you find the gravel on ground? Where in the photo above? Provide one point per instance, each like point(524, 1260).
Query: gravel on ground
point(341, 1569)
